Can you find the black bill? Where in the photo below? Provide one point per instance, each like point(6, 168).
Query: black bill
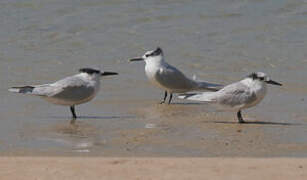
point(136, 59)
point(273, 82)
point(106, 73)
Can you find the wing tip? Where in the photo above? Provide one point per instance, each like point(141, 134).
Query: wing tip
point(24, 90)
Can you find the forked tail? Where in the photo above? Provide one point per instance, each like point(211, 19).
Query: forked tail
point(201, 85)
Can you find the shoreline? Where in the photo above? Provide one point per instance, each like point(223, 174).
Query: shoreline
point(152, 168)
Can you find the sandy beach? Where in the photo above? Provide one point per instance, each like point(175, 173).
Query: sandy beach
point(152, 168)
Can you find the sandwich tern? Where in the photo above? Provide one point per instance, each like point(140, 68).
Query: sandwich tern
point(237, 96)
point(169, 78)
point(70, 91)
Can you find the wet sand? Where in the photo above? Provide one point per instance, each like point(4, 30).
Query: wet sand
point(153, 168)
point(153, 130)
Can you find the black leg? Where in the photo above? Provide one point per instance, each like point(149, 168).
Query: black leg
point(170, 98)
point(165, 95)
point(239, 115)
point(74, 116)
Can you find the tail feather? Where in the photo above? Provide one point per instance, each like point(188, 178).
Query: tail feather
point(202, 85)
point(23, 90)
point(205, 96)
point(208, 86)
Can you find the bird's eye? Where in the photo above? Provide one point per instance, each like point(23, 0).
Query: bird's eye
point(261, 78)
point(147, 55)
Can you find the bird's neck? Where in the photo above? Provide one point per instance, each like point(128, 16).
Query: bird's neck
point(154, 61)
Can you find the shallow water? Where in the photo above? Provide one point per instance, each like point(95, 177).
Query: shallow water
point(220, 41)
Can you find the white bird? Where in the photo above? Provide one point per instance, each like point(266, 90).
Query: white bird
point(70, 91)
point(237, 96)
point(169, 78)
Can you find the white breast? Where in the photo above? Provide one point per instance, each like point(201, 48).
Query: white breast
point(151, 70)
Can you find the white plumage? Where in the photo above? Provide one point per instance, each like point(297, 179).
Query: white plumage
point(70, 91)
point(169, 78)
point(237, 96)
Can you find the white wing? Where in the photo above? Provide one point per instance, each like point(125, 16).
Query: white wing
point(70, 84)
point(233, 95)
point(172, 78)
